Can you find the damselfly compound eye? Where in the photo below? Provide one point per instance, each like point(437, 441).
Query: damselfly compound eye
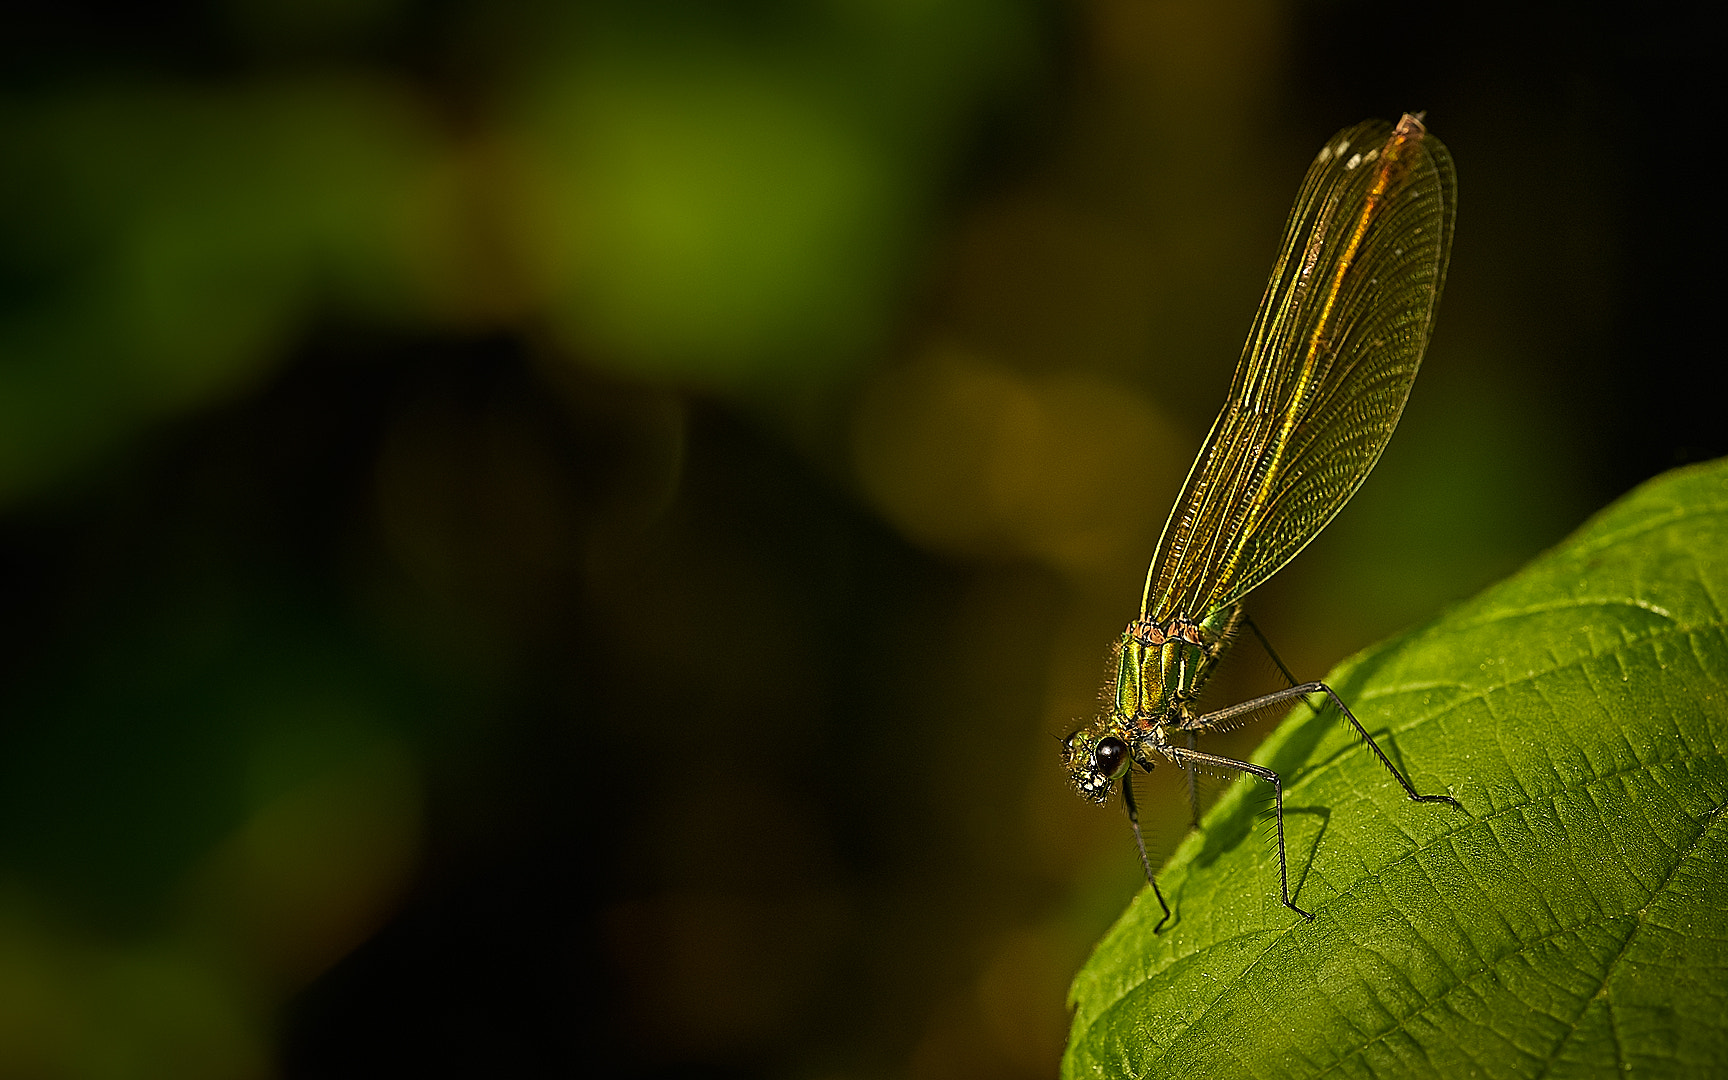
point(1111, 757)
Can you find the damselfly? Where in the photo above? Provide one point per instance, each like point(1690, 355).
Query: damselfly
point(1322, 381)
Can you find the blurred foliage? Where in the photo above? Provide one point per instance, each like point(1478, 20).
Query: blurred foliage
point(143, 278)
point(1564, 922)
point(538, 534)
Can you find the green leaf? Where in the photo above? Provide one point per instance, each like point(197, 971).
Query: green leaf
point(1571, 920)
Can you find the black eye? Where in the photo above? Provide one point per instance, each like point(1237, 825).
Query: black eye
point(1110, 757)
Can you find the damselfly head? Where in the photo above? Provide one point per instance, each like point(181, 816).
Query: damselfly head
point(1096, 757)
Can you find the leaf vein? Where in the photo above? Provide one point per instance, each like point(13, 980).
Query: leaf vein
point(1577, 552)
point(1336, 760)
point(1638, 920)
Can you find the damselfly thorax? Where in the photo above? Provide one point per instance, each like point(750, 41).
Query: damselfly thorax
point(1160, 667)
point(1160, 670)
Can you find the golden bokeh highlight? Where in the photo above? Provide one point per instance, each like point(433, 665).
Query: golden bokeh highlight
point(976, 459)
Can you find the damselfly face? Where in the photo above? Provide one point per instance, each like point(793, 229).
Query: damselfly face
point(1096, 757)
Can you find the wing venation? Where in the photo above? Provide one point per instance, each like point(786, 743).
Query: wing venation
point(1325, 372)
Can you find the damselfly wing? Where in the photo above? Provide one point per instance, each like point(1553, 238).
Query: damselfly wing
point(1321, 384)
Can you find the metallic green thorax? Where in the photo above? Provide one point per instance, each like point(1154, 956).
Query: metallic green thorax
point(1159, 672)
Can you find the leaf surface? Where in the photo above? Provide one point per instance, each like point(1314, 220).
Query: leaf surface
point(1571, 921)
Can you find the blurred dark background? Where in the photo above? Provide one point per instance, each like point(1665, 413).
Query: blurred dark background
point(545, 537)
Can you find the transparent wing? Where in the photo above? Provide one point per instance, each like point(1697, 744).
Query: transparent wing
point(1326, 370)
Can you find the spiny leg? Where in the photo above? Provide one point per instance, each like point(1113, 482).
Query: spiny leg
point(1140, 844)
point(1195, 757)
point(1193, 784)
point(1212, 719)
point(1194, 735)
point(1270, 651)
